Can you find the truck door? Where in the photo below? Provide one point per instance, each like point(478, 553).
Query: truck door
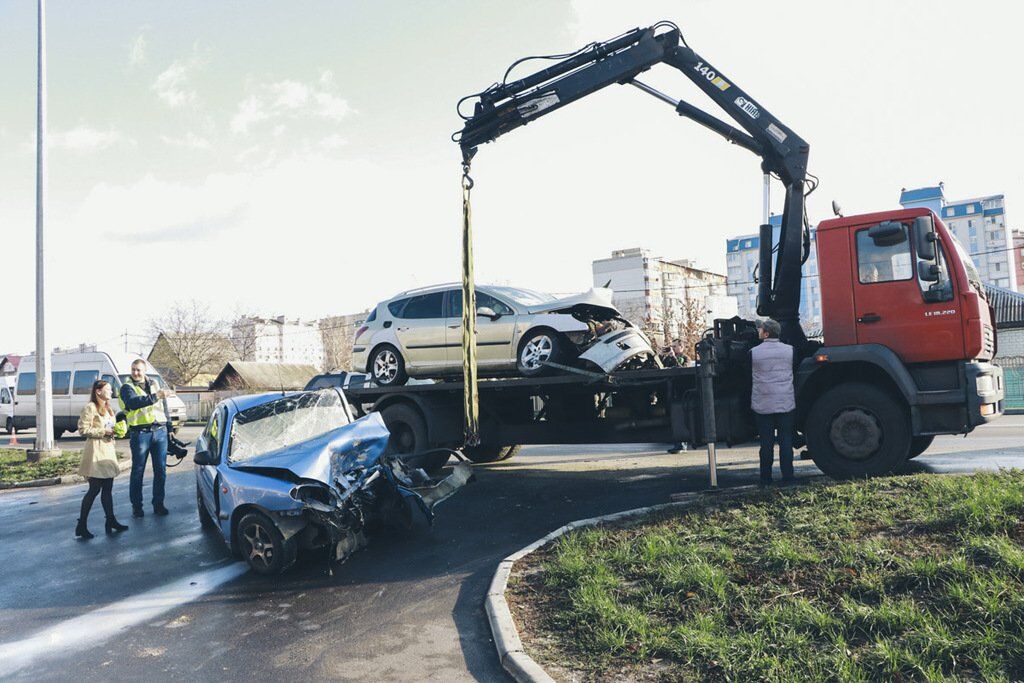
point(494, 336)
point(890, 306)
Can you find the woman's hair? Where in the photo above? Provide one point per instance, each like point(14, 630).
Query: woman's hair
point(94, 397)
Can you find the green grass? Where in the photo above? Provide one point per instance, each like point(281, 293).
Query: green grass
point(911, 578)
point(14, 467)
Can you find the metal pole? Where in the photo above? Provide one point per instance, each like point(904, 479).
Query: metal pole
point(44, 400)
point(706, 373)
point(766, 209)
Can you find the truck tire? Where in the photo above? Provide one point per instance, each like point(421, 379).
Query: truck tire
point(857, 430)
point(919, 444)
point(409, 436)
point(485, 454)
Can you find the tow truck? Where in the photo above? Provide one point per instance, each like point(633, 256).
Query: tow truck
point(908, 333)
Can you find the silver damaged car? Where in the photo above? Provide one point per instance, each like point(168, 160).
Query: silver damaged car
point(519, 332)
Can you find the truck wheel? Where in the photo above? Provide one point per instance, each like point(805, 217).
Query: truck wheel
point(409, 436)
point(485, 454)
point(262, 546)
point(387, 367)
point(857, 430)
point(536, 347)
point(919, 444)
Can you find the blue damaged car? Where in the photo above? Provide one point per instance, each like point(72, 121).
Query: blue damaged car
point(279, 472)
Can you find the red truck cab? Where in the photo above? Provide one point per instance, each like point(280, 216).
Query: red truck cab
point(908, 343)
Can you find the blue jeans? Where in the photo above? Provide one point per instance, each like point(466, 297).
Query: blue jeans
point(144, 444)
point(767, 426)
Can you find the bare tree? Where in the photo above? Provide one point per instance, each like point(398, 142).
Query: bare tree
point(337, 333)
point(692, 324)
point(243, 335)
point(188, 343)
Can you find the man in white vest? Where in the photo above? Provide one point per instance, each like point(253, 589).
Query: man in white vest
point(772, 400)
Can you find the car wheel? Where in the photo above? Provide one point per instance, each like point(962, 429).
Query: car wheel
point(486, 454)
point(387, 367)
point(262, 546)
point(205, 520)
point(919, 444)
point(537, 347)
point(409, 436)
point(857, 430)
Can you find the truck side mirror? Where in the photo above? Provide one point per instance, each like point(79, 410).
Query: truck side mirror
point(887, 234)
point(924, 238)
point(928, 272)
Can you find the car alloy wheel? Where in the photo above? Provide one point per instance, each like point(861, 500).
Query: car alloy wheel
point(536, 351)
point(385, 366)
point(258, 547)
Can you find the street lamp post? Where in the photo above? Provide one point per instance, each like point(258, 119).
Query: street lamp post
point(44, 446)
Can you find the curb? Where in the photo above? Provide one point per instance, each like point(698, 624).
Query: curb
point(513, 657)
point(122, 466)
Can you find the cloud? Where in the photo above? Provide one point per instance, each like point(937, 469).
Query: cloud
point(173, 86)
point(189, 140)
point(82, 139)
point(290, 100)
point(137, 51)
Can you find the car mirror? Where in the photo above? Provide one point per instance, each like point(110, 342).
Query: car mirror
point(887, 234)
point(205, 457)
point(928, 271)
point(488, 312)
point(924, 236)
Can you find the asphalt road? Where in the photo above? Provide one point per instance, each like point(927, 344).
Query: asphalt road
point(163, 600)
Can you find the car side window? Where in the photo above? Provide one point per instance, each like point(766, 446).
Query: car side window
point(396, 307)
point(84, 380)
point(883, 263)
point(26, 384)
point(424, 306)
point(483, 300)
point(212, 433)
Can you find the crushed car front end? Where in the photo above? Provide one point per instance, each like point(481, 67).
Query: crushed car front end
point(315, 484)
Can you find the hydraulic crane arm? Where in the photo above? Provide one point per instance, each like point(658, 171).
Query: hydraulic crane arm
point(508, 105)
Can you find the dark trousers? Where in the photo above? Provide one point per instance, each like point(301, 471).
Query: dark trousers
point(768, 426)
point(104, 488)
point(144, 444)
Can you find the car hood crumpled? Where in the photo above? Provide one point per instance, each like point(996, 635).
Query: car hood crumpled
point(596, 297)
point(326, 457)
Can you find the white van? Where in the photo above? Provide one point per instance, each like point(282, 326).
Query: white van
point(72, 375)
point(7, 384)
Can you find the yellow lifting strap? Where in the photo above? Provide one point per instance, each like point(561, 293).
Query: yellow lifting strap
point(471, 401)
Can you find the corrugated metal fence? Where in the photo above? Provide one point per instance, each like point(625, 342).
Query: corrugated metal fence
point(1013, 382)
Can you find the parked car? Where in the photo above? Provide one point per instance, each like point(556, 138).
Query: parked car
point(419, 334)
point(342, 380)
point(276, 473)
point(71, 377)
point(7, 403)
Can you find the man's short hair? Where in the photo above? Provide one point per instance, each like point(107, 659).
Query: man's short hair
point(772, 328)
point(139, 361)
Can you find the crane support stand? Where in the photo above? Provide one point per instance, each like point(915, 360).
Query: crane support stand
point(706, 373)
point(471, 400)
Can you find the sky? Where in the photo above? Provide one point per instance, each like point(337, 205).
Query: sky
point(295, 158)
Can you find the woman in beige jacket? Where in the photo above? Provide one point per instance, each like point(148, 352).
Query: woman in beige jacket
point(98, 425)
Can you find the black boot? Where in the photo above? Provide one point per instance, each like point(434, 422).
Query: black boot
point(115, 526)
point(81, 530)
point(137, 511)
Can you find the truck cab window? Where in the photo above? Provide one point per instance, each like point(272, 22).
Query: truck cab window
point(885, 262)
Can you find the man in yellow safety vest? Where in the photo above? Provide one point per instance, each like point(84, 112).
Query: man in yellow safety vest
point(148, 427)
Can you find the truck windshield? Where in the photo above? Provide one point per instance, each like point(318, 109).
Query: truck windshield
point(972, 270)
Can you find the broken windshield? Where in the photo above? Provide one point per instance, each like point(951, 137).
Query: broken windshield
point(285, 422)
